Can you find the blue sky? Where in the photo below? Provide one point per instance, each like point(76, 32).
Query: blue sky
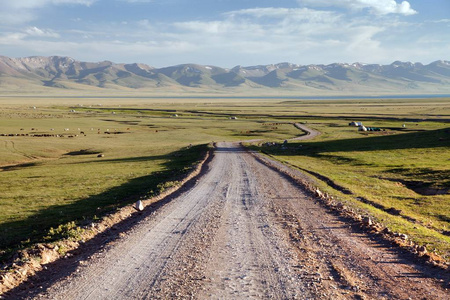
point(227, 32)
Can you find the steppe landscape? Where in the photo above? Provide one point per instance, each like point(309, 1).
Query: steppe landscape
point(258, 149)
point(291, 202)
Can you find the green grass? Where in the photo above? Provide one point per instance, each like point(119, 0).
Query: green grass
point(56, 192)
point(400, 168)
point(51, 181)
point(49, 184)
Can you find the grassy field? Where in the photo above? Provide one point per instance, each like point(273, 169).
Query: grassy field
point(400, 175)
point(59, 178)
point(146, 142)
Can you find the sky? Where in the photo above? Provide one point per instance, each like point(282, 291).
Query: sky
point(227, 33)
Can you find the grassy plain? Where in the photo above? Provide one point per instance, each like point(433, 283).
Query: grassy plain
point(48, 181)
point(400, 175)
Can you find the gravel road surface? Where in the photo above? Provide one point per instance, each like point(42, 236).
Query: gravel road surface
point(244, 232)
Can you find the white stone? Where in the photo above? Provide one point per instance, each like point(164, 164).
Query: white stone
point(139, 205)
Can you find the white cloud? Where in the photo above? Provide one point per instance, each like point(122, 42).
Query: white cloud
point(285, 34)
point(264, 22)
point(264, 12)
point(94, 50)
point(12, 38)
point(145, 24)
point(17, 4)
point(81, 2)
point(138, 1)
point(441, 21)
point(22, 11)
point(249, 36)
point(379, 7)
point(37, 32)
point(291, 13)
point(363, 39)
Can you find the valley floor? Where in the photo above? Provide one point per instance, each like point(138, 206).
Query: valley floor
point(243, 231)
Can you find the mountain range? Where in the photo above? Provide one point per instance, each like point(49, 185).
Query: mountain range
point(56, 72)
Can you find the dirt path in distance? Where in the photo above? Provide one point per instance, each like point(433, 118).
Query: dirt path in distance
point(310, 133)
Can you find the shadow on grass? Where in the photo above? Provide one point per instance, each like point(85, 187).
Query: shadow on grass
point(34, 229)
point(61, 268)
point(423, 181)
point(417, 140)
point(19, 166)
point(82, 152)
point(131, 159)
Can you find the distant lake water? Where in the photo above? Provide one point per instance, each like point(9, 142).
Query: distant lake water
point(310, 97)
point(244, 97)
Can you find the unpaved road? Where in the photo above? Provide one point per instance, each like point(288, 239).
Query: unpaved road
point(310, 133)
point(243, 232)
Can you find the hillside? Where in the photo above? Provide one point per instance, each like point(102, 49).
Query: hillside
point(44, 73)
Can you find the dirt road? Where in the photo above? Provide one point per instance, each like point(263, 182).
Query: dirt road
point(310, 133)
point(243, 232)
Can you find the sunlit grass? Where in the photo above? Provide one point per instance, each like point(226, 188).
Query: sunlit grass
point(50, 181)
point(401, 168)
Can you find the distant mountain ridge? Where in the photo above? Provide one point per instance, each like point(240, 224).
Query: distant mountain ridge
point(68, 73)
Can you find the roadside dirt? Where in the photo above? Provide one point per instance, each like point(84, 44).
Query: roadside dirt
point(243, 231)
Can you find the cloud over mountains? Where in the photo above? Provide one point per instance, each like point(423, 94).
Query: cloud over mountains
point(226, 33)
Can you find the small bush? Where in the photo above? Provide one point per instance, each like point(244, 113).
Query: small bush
point(64, 231)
